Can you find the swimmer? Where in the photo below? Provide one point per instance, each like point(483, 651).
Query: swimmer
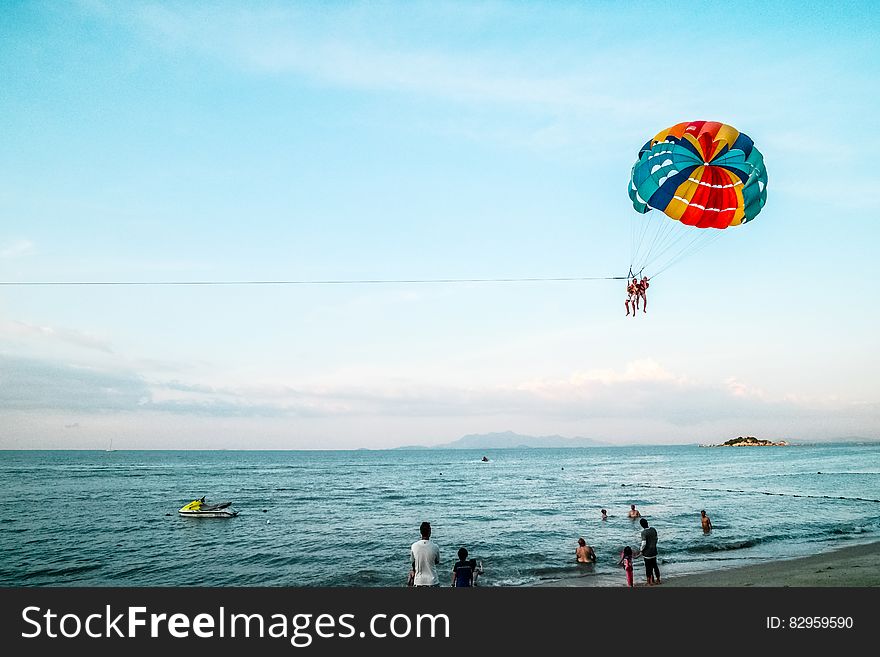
point(584, 552)
point(707, 524)
point(633, 512)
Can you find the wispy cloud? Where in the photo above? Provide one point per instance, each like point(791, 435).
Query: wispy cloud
point(743, 390)
point(639, 371)
point(35, 385)
point(277, 42)
point(641, 390)
point(16, 249)
point(14, 329)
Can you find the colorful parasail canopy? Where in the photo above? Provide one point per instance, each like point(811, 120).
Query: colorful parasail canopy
point(702, 173)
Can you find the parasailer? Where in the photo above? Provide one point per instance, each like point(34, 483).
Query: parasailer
point(701, 175)
point(643, 293)
point(636, 292)
point(632, 296)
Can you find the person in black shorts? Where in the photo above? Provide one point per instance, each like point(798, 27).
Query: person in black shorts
point(648, 551)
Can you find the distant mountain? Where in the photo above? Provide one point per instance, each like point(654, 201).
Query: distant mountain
point(842, 439)
point(505, 439)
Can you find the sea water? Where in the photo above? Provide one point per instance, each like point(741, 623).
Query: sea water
point(348, 518)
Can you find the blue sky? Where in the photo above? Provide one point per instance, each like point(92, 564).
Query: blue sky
point(299, 141)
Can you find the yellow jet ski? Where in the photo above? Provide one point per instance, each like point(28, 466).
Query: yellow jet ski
point(201, 509)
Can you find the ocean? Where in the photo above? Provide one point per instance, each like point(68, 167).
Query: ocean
point(347, 518)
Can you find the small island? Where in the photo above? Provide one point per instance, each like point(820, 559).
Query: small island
point(749, 441)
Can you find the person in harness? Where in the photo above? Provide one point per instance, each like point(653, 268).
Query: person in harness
point(642, 289)
point(632, 296)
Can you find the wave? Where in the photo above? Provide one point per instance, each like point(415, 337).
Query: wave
point(853, 529)
point(819, 535)
point(367, 578)
point(269, 559)
point(724, 547)
point(552, 572)
point(61, 571)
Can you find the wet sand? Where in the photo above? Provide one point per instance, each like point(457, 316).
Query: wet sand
point(857, 565)
point(853, 566)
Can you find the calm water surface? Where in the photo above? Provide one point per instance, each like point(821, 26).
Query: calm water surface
point(347, 518)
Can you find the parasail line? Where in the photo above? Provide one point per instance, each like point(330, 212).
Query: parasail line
point(313, 282)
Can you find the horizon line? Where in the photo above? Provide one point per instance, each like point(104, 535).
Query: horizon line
point(443, 447)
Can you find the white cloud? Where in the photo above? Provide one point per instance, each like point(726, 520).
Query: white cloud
point(14, 329)
point(42, 385)
point(642, 370)
point(639, 392)
point(16, 249)
point(739, 389)
point(591, 382)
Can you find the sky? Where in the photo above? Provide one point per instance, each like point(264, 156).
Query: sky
point(221, 141)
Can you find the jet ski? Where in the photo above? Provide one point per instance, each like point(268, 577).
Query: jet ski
point(201, 509)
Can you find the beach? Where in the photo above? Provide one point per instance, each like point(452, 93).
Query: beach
point(852, 566)
point(849, 566)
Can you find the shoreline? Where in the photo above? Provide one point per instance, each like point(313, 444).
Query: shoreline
point(850, 566)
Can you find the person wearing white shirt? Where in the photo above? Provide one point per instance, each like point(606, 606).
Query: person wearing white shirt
point(425, 559)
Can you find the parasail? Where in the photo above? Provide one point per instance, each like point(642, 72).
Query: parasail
point(700, 175)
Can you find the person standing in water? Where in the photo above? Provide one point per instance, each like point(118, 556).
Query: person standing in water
point(477, 567)
point(633, 512)
point(584, 553)
point(706, 522)
point(425, 557)
point(626, 560)
point(648, 551)
point(463, 570)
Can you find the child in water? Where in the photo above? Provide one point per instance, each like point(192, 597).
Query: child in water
point(463, 571)
point(477, 567)
point(626, 560)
